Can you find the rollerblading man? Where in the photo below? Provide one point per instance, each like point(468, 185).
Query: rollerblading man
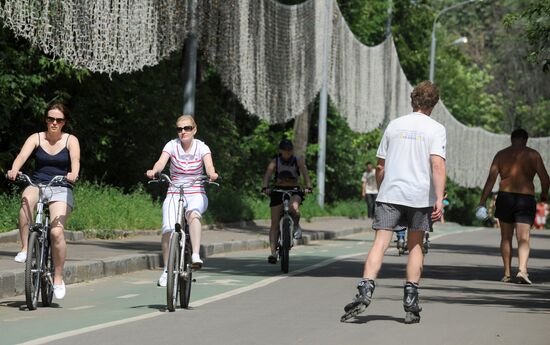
point(410, 174)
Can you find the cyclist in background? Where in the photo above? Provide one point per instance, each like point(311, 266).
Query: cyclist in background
point(287, 169)
point(188, 158)
point(55, 153)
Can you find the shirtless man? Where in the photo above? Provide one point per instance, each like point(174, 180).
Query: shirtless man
point(515, 205)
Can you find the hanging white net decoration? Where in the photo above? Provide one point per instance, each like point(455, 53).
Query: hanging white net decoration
point(268, 54)
point(101, 35)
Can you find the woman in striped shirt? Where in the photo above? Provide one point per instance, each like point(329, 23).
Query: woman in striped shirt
point(188, 158)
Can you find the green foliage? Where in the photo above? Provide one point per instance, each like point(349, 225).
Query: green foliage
point(534, 20)
point(462, 203)
point(9, 204)
point(101, 207)
point(29, 80)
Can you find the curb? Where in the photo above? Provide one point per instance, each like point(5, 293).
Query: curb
point(12, 283)
point(13, 236)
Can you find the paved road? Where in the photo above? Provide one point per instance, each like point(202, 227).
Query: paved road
point(239, 299)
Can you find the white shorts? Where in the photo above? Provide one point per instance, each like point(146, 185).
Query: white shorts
point(197, 203)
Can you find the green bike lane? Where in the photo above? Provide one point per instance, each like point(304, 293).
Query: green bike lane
point(131, 297)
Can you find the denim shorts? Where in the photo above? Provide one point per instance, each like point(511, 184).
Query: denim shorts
point(396, 217)
point(59, 193)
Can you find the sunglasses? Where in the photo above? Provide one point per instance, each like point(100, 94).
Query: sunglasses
point(185, 129)
point(55, 119)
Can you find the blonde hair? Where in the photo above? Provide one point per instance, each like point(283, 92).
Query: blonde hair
point(187, 117)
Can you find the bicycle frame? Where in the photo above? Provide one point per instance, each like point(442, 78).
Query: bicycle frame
point(286, 227)
point(39, 274)
point(179, 267)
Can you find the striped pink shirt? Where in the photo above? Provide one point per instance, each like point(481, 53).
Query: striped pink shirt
point(185, 166)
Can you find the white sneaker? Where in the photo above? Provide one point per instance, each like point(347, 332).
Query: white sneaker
point(298, 233)
point(196, 261)
point(59, 290)
point(21, 257)
point(163, 279)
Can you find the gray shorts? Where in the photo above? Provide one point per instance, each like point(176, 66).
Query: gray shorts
point(58, 193)
point(395, 217)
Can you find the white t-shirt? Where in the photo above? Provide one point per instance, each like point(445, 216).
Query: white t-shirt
point(406, 147)
point(185, 166)
point(369, 178)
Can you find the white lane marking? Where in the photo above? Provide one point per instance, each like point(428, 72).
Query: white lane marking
point(19, 318)
point(204, 301)
point(128, 296)
point(225, 282)
point(139, 282)
point(90, 329)
point(82, 307)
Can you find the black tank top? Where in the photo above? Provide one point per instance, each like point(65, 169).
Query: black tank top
point(47, 166)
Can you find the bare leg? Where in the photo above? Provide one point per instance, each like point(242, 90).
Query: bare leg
point(165, 243)
point(506, 234)
point(195, 231)
point(274, 231)
point(59, 212)
point(522, 235)
point(373, 263)
point(415, 261)
point(295, 208)
point(29, 200)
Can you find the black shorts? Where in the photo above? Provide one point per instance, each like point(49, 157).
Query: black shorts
point(277, 197)
point(515, 208)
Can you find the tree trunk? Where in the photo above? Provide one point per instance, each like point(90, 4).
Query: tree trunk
point(301, 131)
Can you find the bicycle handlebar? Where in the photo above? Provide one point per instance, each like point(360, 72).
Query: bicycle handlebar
point(289, 190)
point(160, 177)
point(25, 178)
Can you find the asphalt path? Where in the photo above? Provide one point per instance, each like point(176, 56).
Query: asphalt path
point(240, 299)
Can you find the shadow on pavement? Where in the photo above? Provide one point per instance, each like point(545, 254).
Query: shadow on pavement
point(360, 319)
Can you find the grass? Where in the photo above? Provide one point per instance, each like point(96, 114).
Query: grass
point(99, 209)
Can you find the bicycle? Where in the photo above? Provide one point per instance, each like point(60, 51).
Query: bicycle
point(180, 272)
point(285, 240)
point(39, 267)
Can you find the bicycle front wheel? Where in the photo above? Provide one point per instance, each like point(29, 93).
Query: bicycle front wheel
point(285, 248)
point(173, 271)
point(33, 267)
point(187, 278)
point(46, 284)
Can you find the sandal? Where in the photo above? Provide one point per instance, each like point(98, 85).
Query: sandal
point(272, 259)
point(506, 279)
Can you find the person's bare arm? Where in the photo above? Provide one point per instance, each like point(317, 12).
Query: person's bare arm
point(380, 171)
point(491, 179)
point(267, 176)
point(209, 167)
point(159, 165)
point(544, 179)
point(439, 178)
point(305, 173)
point(28, 147)
point(74, 151)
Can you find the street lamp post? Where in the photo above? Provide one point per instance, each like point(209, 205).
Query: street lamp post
point(432, 50)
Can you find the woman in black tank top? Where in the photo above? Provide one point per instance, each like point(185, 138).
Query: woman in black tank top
point(287, 169)
point(55, 153)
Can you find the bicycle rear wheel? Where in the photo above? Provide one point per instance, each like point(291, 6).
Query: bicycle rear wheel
point(187, 278)
point(32, 271)
point(46, 284)
point(285, 248)
point(173, 271)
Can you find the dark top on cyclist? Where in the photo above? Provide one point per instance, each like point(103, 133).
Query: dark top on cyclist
point(287, 169)
point(55, 153)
